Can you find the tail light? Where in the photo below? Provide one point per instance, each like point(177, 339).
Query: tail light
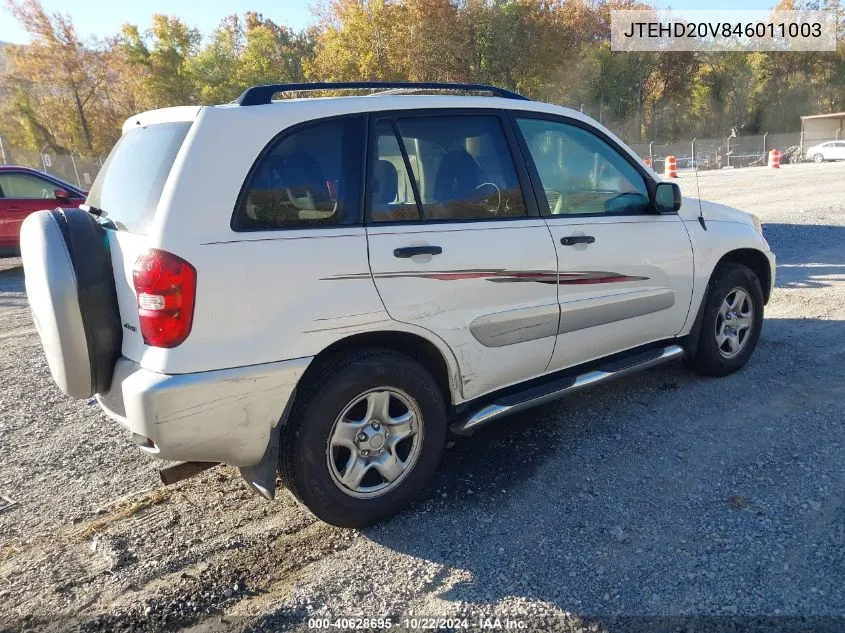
point(166, 288)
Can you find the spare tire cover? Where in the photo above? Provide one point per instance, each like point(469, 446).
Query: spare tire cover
point(70, 288)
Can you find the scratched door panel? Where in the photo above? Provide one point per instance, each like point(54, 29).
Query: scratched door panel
point(629, 287)
point(491, 293)
point(625, 271)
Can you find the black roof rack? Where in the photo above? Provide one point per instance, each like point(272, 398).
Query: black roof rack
point(260, 95)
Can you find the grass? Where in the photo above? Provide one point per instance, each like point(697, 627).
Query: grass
point(154, 498)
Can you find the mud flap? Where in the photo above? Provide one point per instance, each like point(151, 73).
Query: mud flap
point(261, 477)
point(694, 336)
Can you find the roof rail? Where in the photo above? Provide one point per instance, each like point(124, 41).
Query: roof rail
point(260, 95)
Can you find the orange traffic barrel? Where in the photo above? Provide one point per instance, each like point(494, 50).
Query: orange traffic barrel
point(774, 159)
point(671, 169)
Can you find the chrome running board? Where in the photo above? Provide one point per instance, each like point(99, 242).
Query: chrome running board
point(533, 397)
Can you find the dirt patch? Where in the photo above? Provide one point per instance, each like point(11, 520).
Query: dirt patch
point(663, 494)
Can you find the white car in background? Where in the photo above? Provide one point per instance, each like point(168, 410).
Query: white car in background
point(328, 286)
point(832, 150)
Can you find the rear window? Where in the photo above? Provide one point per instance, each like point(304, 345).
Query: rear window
point(129, 185)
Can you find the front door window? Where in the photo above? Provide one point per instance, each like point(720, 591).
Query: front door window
point(580, 173)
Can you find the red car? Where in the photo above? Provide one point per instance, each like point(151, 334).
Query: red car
point(24, 190)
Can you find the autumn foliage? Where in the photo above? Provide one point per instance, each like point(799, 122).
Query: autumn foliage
point(73, 95)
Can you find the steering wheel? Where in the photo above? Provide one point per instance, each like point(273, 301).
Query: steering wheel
point(486, 202)
point(619, 196)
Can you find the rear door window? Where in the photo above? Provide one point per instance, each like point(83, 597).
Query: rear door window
point(129, 185)
point(308, 177)
point(392, 194)
point(461, 166)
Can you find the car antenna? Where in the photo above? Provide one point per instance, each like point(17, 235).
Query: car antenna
point(697, 188)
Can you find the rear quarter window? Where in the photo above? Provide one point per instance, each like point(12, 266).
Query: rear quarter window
point(309, 176)
point(129, 185)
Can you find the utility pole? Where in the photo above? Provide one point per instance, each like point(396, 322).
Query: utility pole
point(75, 170)
point(728, 148)
point(45, 160)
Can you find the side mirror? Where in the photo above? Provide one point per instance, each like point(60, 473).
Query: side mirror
point(667, 197)
point(62, 195)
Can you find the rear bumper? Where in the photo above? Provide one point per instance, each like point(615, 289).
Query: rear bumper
point(215, 416)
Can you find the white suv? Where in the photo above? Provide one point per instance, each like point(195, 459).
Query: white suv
point(328, 286)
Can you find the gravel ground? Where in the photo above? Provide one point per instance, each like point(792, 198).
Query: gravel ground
point(665, 494)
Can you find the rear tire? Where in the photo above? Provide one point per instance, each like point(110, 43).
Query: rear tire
point(365, 437)
point(731, 322)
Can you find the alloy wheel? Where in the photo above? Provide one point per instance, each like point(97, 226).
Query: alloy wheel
point(375, 442)
point(734, 323)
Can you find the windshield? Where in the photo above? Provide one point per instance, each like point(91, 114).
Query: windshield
point(129, 185)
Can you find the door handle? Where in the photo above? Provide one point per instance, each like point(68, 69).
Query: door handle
point(572, 240)
point(410, 251)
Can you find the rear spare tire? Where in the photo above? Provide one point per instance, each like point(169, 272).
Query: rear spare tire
point(70, 288)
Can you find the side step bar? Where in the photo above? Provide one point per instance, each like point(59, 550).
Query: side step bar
point(565, 386)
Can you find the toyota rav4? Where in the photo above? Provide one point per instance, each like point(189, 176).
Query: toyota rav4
point(327, 287)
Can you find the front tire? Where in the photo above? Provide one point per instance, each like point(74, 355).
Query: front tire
point(818, 158)
point(731, 322)
point(365, 437)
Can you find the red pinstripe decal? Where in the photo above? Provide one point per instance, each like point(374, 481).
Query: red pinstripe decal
point(505, 276)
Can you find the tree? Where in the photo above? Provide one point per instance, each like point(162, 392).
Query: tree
point(164, 54)
point(356, 41)
point(52, 83)
point(216, 67)
point(72, 95)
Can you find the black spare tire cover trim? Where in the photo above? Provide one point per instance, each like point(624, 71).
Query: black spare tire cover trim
point(89, 251)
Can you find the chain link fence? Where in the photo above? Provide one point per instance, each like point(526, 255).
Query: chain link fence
point(719, 153)
point(703, 153)
point(75, 169)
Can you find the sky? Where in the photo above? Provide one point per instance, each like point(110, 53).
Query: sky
point(101, 18)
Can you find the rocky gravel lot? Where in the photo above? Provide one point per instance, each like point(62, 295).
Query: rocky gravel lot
point(665, 494)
